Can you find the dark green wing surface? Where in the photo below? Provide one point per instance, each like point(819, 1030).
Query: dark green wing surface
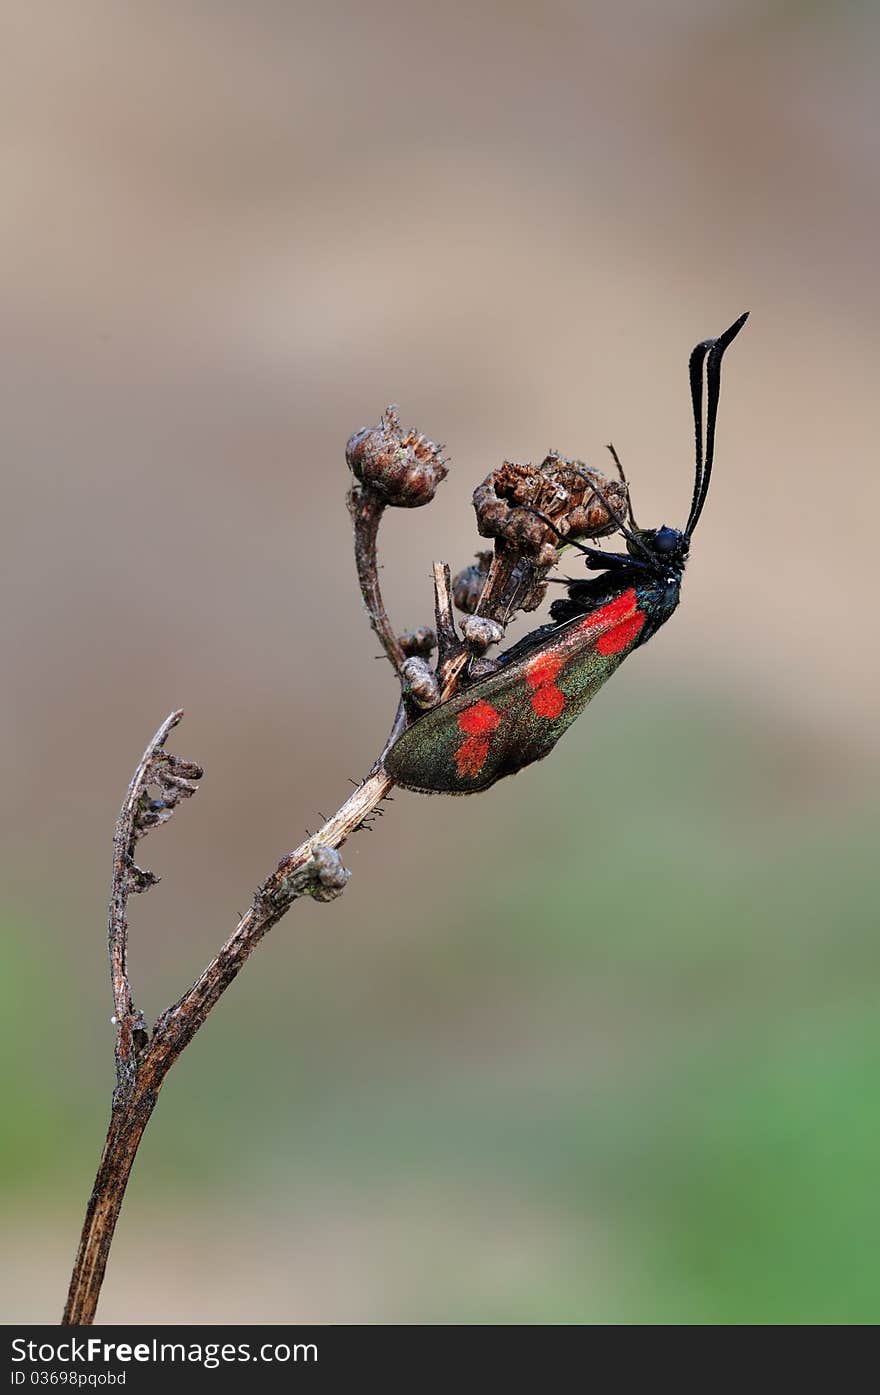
point(516, 716)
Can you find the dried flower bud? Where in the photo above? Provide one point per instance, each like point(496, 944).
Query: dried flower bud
point(467, 587)
point(327, 875)
point(418, 643)
point(563, 490)
point(403, 466)
point(420, 682)
point(480, 633)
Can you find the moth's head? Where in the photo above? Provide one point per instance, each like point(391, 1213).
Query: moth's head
point(667, 547)
point(664, 551)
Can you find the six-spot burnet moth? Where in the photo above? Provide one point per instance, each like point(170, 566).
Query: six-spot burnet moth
point(514, 716)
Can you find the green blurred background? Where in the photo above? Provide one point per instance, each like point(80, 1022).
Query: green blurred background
point(602, 1045)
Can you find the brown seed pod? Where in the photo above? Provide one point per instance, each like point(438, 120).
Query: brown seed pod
point(403, 466)
point(560, 489)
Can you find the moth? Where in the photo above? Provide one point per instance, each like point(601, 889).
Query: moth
point(504, 721)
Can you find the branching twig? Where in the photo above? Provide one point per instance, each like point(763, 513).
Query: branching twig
point(448, 642)
point(313, 869)
point(175, 779)
point(393, 467)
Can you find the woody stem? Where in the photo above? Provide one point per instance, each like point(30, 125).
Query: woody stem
point(311, 869)
point(366, 507)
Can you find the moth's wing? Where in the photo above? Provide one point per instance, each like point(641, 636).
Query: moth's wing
point(516, 716)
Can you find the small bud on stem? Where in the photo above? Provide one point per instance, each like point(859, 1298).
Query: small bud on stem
point(480, 632)
point(420, 682)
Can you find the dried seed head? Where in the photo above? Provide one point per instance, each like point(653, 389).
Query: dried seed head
point(418, 643)
point(480, 633)
point(420, 682)
point(467, 587)
point(561, 489)
point(175, 779)
point(403, 466)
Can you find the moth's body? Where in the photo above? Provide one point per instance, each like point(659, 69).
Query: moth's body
point(515, 715)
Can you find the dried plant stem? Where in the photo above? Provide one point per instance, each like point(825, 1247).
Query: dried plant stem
point(142, 1059)
point(306, 871)
point(529, 511)
point(366, 508)
point(509, 576)
point(408, 468)
point(312, 869)
point(131, 1032)
point(497, 600)
point(127, 1124)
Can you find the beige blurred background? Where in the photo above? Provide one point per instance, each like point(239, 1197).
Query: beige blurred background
point(601, 1045)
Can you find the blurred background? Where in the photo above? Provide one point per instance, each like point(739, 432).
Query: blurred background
point(602, 1045)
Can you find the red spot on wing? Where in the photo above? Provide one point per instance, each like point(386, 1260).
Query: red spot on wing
point(618, 609)
point(543, 669)
point(478, 722)
point(548, 702)
point(471, 756)
point(541, 674)
point(619, 621)
point(615, 640)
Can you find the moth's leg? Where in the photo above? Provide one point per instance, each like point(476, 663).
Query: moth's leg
point(600, 559)
point(597, 560)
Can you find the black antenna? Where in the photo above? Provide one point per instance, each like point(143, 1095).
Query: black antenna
point(615, 516)
point(710, 352)
point(606, 559)
point(625, 482)
point(695, 373)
